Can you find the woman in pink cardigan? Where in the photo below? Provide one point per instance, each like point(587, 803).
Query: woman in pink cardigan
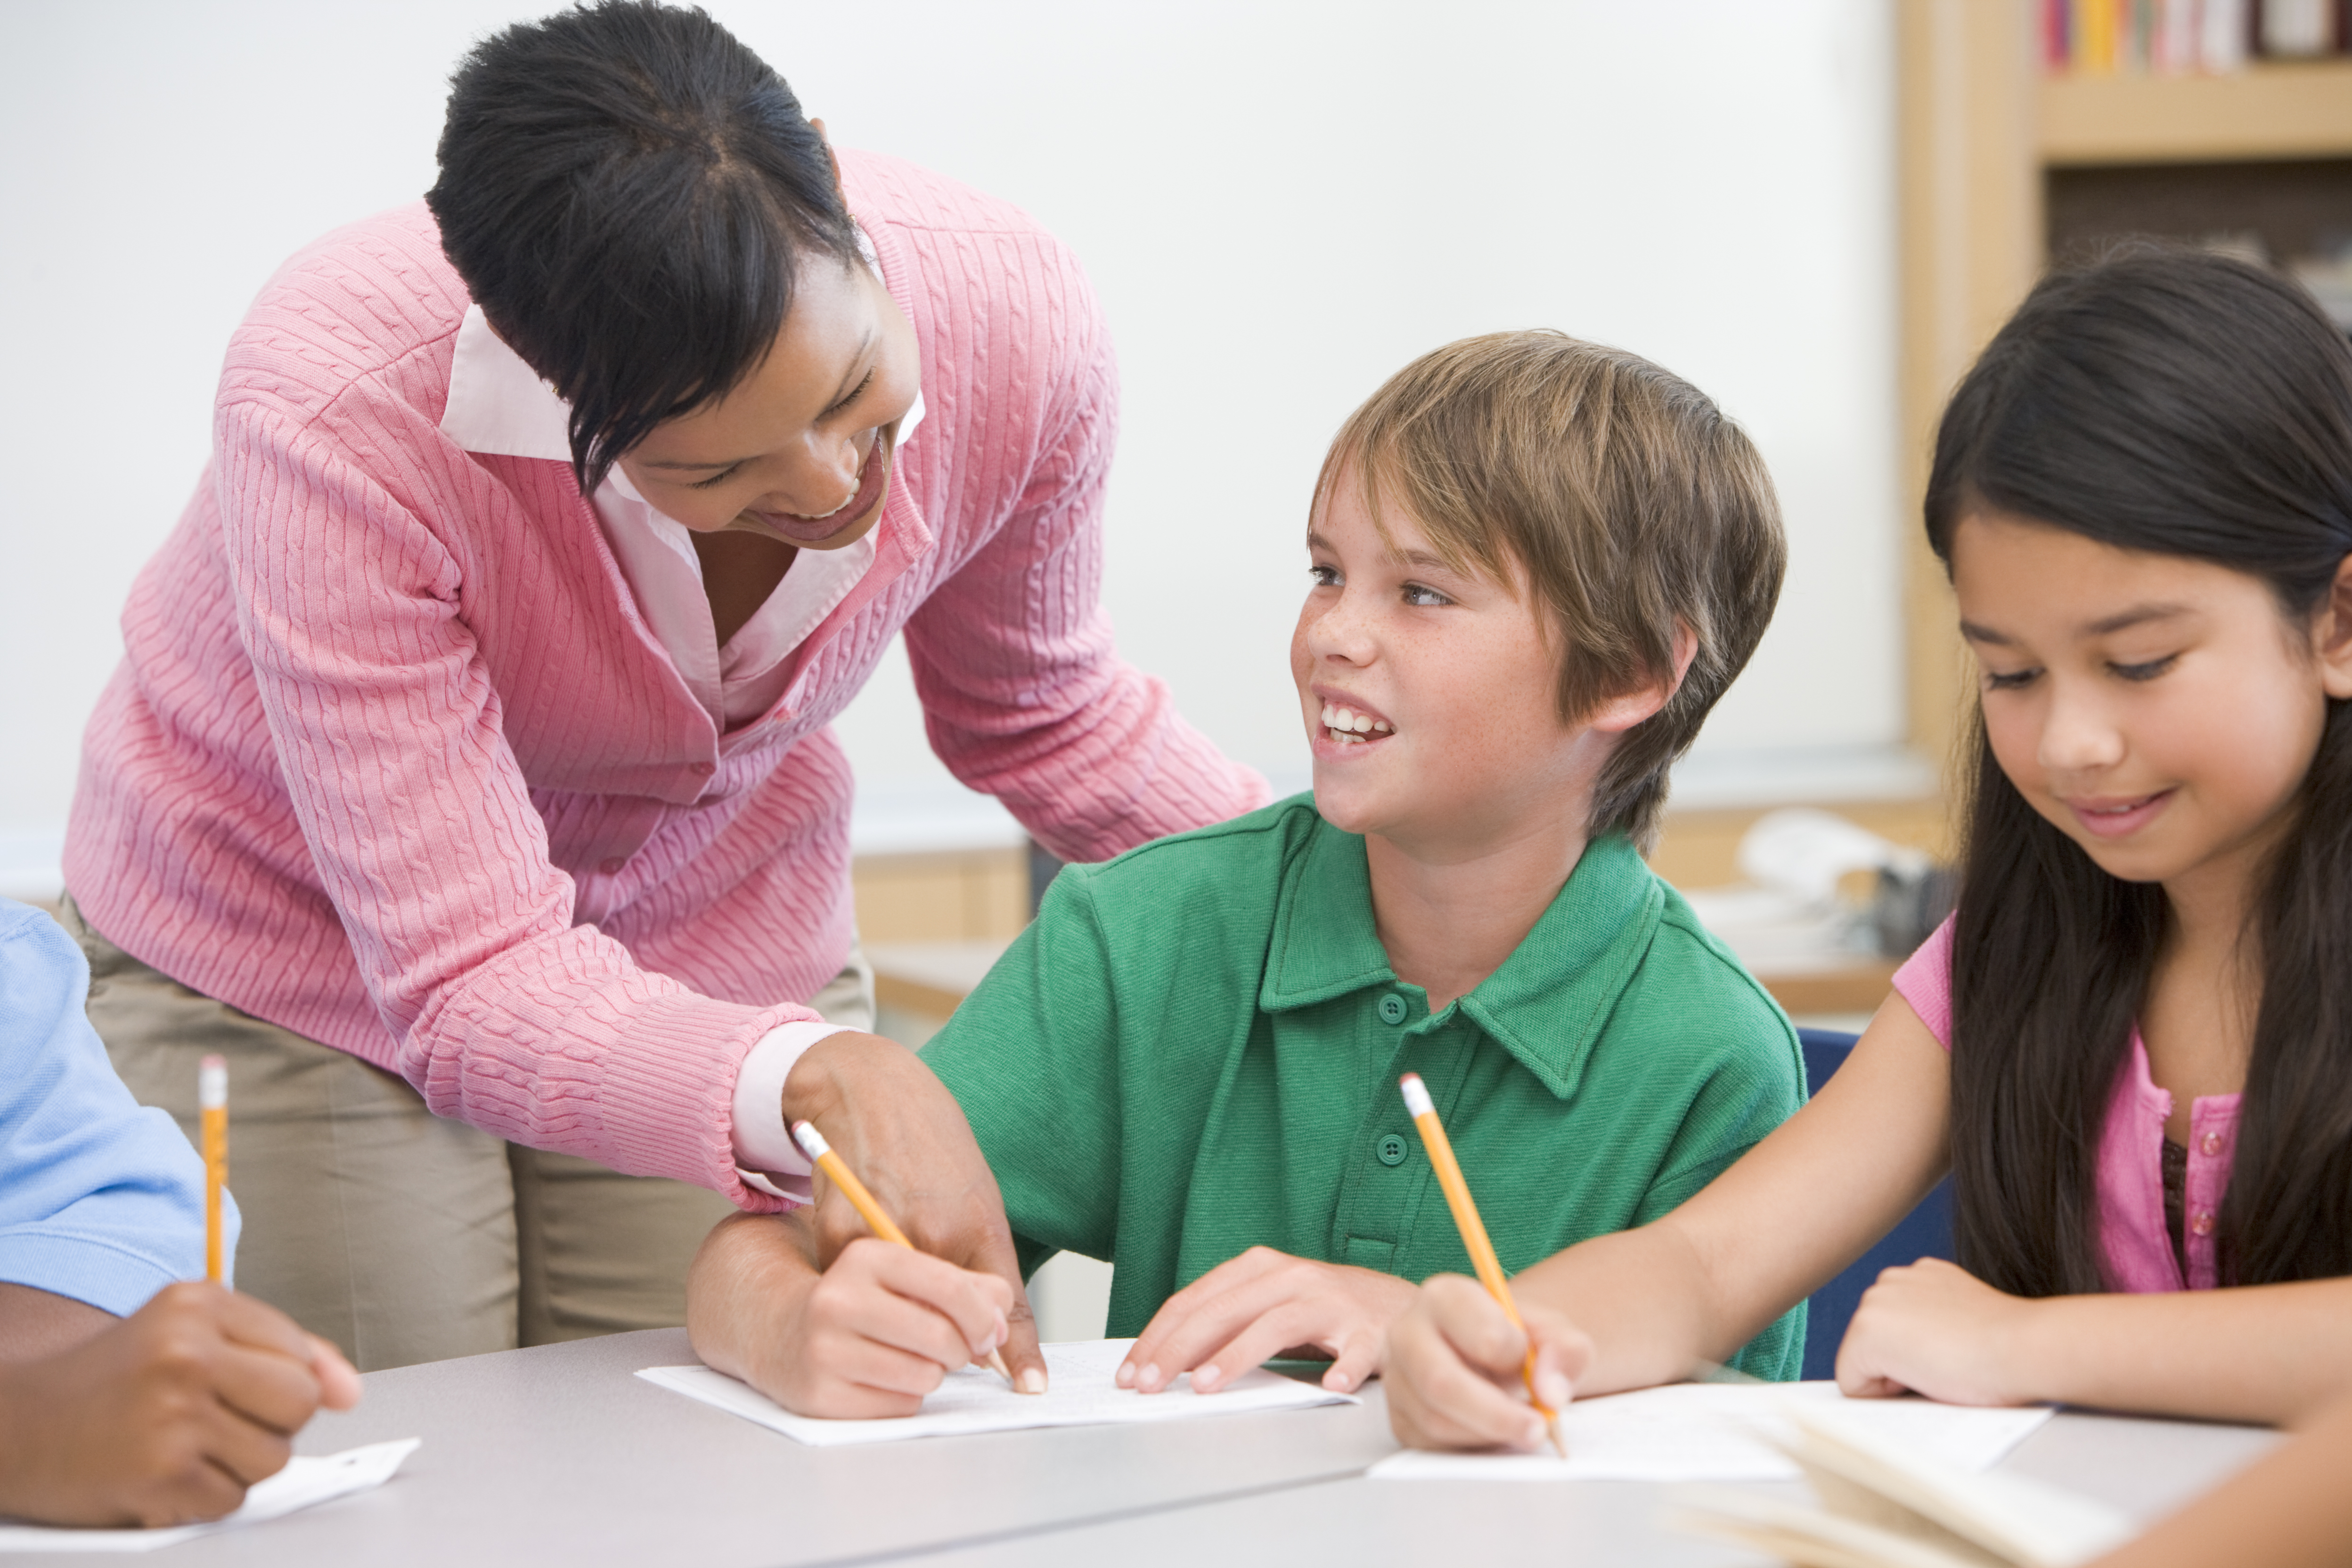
point(467, 778)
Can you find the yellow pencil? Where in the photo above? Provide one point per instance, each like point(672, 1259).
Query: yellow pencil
point(877, 1218)
point(1473, 1235)
point(211, 1101)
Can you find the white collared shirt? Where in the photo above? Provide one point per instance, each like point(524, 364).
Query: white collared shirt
point(499, 406)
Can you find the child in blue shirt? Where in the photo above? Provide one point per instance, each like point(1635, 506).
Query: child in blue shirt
point(126, 1395)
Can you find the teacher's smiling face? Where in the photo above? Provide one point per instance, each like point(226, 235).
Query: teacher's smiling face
point(800, 450)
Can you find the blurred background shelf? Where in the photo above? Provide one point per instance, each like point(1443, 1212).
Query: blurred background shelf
point(918, 985)
point(2268, 112)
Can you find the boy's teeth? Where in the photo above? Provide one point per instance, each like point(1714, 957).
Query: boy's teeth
point(1345, 723)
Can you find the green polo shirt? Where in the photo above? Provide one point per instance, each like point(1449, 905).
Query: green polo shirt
point(1195, 1048)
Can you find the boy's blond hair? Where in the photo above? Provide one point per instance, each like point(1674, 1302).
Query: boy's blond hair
point(1629, 500)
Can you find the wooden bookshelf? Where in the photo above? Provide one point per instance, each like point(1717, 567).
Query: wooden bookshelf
point(952, 895)
point(1969, 243)
point(1983, 138)
point(2270, 111)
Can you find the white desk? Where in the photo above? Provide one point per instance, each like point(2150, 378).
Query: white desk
point(2146, 1467)
point(560, 1456)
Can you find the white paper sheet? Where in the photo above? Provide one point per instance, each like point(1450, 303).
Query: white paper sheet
point(1079, 1392)
point(304, 1481)
point(1707, 1432)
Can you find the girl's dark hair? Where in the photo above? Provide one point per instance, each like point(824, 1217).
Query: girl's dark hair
point(2180, 403)
point(623, 189)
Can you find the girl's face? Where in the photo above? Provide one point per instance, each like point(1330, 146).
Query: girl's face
point(2159, 710)
point(792, 453)
point(1430, 697)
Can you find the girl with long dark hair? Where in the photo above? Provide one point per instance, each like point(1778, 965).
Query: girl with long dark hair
point(2132, 1044)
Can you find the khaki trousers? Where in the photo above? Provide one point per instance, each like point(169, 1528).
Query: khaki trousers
point(401, 1236)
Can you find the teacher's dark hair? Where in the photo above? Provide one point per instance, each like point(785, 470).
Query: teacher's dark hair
point(2183, 404)
point(626, 191)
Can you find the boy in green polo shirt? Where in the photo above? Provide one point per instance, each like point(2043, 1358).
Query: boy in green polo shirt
point(1536, 564)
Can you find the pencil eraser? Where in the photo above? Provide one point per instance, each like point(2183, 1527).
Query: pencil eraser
point(212, 1083)
point(811, 1141)
point(1416, 1095)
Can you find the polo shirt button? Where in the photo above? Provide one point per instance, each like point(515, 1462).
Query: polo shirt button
point(611, 866)
point(1390, 1150)
point(2211, 1143)
point(700, 769)
point(1392, 1011)
point(2202, 1224)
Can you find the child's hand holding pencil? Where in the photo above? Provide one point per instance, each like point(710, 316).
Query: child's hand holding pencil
point(837, 1171)
point(865, 1339)
point(1456, 1368)
point(1546, 1387)
point(860, 1327)
point(893, 1124)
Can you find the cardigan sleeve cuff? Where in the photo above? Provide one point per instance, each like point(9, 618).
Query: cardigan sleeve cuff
point(766, 1158)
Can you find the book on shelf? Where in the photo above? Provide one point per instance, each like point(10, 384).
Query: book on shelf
point(2188, 37)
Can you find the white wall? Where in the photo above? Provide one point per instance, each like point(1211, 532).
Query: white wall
point(1280, 203)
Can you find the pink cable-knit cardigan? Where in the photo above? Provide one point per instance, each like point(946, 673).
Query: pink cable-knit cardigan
point(392, 761)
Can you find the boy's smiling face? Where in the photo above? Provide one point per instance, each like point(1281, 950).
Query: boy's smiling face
point(1430, 695)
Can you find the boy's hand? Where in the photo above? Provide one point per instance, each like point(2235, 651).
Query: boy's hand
point(1934, 1328)
point(167, 1416)
point(1257, 1305)
point(895, 1124)
point(1452, 1368)
point(868, 1337)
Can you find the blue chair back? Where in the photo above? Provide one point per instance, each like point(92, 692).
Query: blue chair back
point(1926, 1231)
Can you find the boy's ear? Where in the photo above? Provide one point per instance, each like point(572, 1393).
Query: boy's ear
point(2331, 634)
point(1620, 713)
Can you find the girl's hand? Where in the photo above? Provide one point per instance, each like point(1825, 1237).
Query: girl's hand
point(1257, 1305)
point(1452, 1368)
point(1933, 1328)
point(876, 1331)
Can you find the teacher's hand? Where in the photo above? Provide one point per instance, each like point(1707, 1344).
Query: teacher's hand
point(902, 1133)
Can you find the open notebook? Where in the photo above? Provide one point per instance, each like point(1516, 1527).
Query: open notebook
point(1886, 1502)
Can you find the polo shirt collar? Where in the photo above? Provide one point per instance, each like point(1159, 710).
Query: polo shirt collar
point(1548, 1002)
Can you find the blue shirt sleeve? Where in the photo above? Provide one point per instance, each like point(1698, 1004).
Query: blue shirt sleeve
point(100, 1199)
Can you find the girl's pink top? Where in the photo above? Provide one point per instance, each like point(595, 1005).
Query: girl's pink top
point(2132, 1237)
point(393, 760)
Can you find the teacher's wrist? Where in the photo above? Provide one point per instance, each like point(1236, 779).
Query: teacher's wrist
point(825, 1082)
point(761, 1135)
